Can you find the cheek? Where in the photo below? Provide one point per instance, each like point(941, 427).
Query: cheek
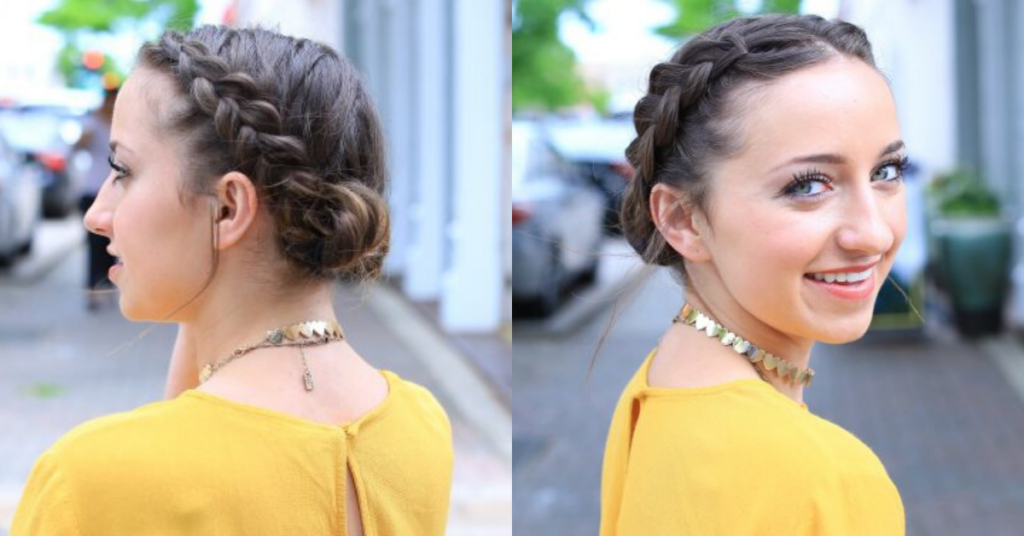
point(771, 249)
point(164, 258)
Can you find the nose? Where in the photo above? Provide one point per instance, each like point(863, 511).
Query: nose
point(868, 222)
point(100, 216)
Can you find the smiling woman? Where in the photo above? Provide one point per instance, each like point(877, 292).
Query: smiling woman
point(769, 167)
point(247, 174)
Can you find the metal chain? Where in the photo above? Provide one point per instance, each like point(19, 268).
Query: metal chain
point(243, 350)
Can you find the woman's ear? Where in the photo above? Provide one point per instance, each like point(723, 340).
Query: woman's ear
point(681, 224)
point(235, 207)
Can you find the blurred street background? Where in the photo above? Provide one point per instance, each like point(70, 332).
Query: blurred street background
point(439, 72)
point(936, 388)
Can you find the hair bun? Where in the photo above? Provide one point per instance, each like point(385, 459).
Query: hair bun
point(332, 228)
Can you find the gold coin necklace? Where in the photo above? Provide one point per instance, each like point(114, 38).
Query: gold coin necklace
point(302, 334)
point(786, 371)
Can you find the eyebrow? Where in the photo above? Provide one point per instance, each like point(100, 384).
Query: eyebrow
point(114, 145)
point(836, 159)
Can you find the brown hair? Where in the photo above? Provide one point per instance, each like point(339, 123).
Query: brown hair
point(293, 116)
point(688, 120)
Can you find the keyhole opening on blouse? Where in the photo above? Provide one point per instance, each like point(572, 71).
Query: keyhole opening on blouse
point(354, 517)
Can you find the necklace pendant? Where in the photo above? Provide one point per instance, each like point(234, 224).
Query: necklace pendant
point(307, 380)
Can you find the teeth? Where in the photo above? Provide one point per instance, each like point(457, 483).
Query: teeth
point(844, 277)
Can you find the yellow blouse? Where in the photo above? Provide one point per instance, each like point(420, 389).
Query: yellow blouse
point(201, 464)
point(738, 458)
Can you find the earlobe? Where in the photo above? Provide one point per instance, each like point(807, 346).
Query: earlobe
point(679, 222)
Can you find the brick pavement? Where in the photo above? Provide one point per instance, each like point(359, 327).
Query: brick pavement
point(62, 366)
point(939, 414)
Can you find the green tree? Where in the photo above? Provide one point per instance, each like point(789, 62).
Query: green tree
point(544, 73)
point(78, 18)
point(695, 16)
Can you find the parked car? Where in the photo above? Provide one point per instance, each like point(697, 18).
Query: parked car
point(20, 195)
point(556, 223)
point(598, 150)
point(46, 136)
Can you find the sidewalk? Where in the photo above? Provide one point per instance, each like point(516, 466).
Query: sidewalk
point(62, 366)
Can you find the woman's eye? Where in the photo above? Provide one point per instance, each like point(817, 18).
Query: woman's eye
point(808, 186)
point(888, 172)
point(119, 171)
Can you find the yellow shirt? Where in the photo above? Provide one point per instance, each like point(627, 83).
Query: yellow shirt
point(205, 465)
point(735, 459)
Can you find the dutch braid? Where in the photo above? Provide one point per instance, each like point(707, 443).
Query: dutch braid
point(685, 122)
point(293, 116)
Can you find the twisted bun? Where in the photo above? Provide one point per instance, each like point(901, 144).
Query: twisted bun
point(686, 121)
point(294, 117)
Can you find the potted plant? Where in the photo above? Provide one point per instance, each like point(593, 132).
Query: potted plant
point(971, 242)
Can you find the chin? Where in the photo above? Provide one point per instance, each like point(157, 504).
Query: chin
point(846, 333)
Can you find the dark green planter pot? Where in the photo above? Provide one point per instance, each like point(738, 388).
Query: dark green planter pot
point(974, 256)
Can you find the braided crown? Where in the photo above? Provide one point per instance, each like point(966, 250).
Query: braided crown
point(294, 117)
point(683, 121)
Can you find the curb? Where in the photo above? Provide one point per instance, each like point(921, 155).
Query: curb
point(619, 271)
point(473, 397)
point(54, 240)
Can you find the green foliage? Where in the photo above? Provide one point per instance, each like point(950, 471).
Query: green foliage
point(961, 193)
point(695, 16)
point(544, 73)
point(75, 18)
point(102, 15)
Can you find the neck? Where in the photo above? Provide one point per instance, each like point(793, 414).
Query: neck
point(734, 318)
point(230, 318)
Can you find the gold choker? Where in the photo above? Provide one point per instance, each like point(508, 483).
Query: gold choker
point(310, 333)
point(786, 371)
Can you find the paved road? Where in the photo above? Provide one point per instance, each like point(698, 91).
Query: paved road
point(940, 415)
point(60, 366)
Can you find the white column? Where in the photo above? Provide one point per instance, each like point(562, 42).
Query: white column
point(1014, 58)
point(471, 299)
point(399, 124)
point(428, 217)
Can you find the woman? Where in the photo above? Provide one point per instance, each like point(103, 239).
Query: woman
point(248, 173)
point(769, 166)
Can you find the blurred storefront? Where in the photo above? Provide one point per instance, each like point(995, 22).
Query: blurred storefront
point(439, 72)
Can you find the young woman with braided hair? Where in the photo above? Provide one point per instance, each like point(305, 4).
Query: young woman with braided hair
point(248, 173)
point(769, 166)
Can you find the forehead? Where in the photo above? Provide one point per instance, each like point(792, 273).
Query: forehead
point(140, 105)
point(842, 105)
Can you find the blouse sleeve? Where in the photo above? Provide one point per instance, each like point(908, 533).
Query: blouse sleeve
point(46, 506)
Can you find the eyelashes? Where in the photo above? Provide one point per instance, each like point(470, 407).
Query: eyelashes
point(120, 171)
point(802, 184)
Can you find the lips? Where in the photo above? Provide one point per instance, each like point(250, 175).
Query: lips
point(851, 290)
point(118, 264)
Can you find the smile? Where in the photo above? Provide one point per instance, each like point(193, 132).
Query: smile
point(844, 285)
point(843, 277)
